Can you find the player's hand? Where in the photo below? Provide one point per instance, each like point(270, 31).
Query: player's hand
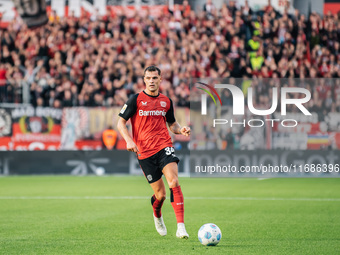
point(185, 131)
point(131, 146)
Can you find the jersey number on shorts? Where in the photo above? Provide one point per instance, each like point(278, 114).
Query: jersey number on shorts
point(169, 150)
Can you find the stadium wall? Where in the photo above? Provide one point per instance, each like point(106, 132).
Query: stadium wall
point(25, 128)
point(300, 163)
point(76, 162)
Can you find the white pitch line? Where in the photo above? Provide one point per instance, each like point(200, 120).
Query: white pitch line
point(142, 198)
point(73, 198)
point(266, 198)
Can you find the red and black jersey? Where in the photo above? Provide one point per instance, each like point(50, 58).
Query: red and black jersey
point(149, 115)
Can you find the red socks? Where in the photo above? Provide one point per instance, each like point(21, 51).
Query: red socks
point(156, 206)
point(177, 202)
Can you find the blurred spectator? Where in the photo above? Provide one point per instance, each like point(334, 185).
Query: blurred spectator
point(209, 9)
point(3, 87)
point(109, 138)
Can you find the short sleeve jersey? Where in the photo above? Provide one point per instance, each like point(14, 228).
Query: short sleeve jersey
point(149, 115)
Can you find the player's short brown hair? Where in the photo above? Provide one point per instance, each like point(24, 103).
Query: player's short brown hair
point(152, 69)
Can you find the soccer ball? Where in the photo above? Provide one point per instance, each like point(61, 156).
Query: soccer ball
point(209, 234)
point(100, 171)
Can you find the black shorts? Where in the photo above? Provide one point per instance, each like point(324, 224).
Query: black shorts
point(153, 166)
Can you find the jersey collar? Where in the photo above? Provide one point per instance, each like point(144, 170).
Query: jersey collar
point(150, 95)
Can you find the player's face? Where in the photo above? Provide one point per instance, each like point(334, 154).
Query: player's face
point(152, 81)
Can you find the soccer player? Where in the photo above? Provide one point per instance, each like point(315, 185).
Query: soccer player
point(149, 111)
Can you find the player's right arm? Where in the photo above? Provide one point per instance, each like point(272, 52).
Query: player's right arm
point(130, 144)
point(128, 110)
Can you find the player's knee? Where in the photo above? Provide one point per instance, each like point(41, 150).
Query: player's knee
point(161, 196)
point(173, 183)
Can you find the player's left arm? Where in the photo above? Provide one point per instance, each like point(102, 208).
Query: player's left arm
point(177, 129)
point(174, 125)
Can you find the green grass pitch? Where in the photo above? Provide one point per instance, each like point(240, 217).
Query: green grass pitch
point(89, 215)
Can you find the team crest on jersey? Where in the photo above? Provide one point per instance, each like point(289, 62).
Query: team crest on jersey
point(123, 109)
point(163, 104)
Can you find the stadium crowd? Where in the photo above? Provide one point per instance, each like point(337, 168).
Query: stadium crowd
point(98, 60)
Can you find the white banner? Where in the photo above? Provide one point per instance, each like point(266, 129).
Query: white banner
point(7, 10)
point(278, 5)
point(59, 7)
point(74, 5)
